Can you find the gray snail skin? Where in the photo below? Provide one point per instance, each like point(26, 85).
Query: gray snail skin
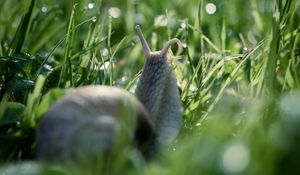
point(157, 90)
point(97, 120)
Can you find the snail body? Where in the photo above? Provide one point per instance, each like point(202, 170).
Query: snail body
point(157, 90)
point(92, 120)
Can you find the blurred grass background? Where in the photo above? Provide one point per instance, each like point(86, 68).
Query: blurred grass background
point(238, 79)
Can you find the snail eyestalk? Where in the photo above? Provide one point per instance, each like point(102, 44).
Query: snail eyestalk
point(145, 45)
point(167, 46)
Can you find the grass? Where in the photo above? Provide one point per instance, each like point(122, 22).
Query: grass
point(238, 79)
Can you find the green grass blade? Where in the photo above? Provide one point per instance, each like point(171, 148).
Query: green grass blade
point(111, 67)
point(223, 36)
point(270, 71)
point(67, 70)
point(33, 102)
point(23, 28)
point(230, 79)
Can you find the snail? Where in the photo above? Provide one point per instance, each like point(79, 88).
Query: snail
point(96, 119)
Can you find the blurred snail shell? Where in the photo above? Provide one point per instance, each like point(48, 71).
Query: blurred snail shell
point(93, 119)
point(85, 119)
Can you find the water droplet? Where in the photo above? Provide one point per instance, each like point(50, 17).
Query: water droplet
point(91, 5)
point(235, 158)
point(44, 9)
point(210, 8)
point(105, 52)
point(105, 66)
point(48, 67)
point(114, 12)
point(94, 18)
point(193, 88)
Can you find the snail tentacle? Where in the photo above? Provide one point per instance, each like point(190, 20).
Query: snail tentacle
point(144, 43)
point(167, 46)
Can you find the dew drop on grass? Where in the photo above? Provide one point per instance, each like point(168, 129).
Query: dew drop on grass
point(105, 52)
point(105, 66)
point(235, 158)
point(183, 25)
point(114, 12)
point(94, 18)
point(44, 9)
point(210, 8)
point(91, 5)
point(198, 124)
point(48, 67)
point(193, 88)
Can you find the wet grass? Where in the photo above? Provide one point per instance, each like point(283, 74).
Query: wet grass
point(238, 79)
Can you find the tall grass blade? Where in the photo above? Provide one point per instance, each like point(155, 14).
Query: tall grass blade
point(67, 70)
point(33, 102)
point(23, 28)
point(111, 67)
point(270, 71)
point(229, 80)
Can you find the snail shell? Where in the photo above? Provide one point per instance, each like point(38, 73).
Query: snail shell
point(89, 120)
